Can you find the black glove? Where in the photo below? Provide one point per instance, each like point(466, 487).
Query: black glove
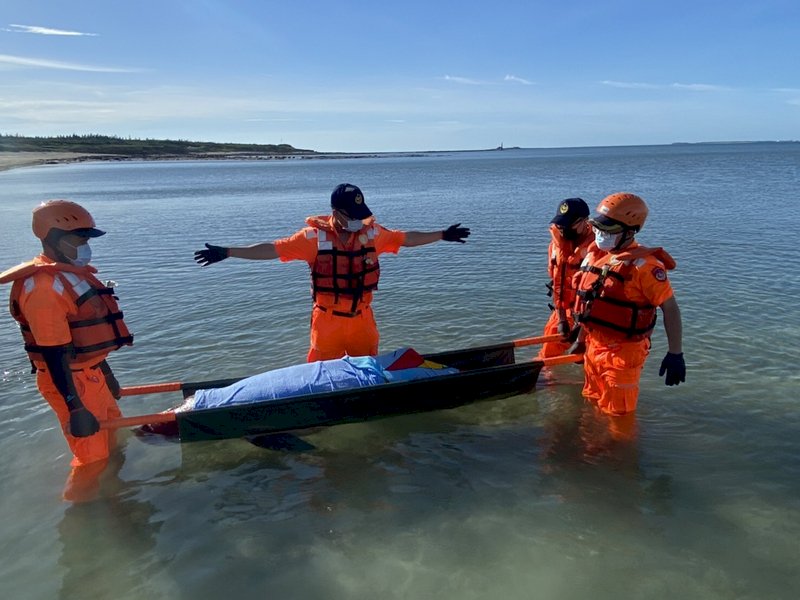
point(82, 423)
point(211, 255)
point(111, 380)
point(572, 336)
point(564, 329)
point(675, 368)
point(456, 233)
point(578, 348)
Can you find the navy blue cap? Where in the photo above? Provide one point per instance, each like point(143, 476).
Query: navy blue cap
point(348, 198)
point(569, 211)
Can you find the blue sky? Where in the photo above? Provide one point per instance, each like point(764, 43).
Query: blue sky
point(346, 75)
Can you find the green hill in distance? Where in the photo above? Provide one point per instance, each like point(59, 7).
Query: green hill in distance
point(136, 148)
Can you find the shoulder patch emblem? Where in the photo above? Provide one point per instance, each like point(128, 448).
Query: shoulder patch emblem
point(659, 273)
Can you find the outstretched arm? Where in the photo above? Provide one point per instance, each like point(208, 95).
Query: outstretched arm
point(673, 364)
point(262, 251)
point(420, 238)
point(212, 254)
point(673, 325)
point(454, 233)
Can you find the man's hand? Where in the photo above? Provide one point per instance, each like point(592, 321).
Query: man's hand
point(211, 255)
point(456, 233)
point(675, 368)
point(111, 381)
point(82, 423)
point(564, 329)
point(577, 348)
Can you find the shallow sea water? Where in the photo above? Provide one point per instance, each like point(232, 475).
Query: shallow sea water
point(516, 498)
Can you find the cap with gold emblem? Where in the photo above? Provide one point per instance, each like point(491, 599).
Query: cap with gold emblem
point(569, 211)
point(348, 198)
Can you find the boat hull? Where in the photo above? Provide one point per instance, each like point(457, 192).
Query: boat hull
point(486, 372)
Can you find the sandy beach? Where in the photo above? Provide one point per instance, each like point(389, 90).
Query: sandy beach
point(11, 160)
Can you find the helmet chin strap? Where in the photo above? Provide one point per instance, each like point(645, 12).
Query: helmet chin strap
point(627, 235)
point(569, 234)
point(52, 240)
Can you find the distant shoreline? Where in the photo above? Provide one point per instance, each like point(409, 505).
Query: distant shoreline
point(15, 160)
point(21, 159)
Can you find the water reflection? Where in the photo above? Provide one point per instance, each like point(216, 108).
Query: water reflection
point(108, 543)
point(576, 435)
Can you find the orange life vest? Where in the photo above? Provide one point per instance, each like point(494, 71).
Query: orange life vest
point(97, 328)
point(566, 257)
point(602, 304)
point(348, 269)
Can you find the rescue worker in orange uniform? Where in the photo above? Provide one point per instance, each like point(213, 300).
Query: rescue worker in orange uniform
point(570, 236)
point(342, 251)
point(70, 322)
point(619, 288)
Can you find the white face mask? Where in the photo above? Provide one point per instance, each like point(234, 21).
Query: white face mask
point(606, 241)
point(83, 255)
point(354, 226)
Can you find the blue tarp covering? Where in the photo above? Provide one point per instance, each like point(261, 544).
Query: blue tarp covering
point(312, 378)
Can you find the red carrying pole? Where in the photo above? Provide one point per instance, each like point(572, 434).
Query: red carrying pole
point(531, 341)
point(162, 417)
point(562, 359)
point(152, 388)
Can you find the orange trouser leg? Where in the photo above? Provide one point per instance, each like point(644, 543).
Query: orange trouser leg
point(551, 328)
point(333, 336)
point(83, 483)
point(612, 371)
point(96, 397)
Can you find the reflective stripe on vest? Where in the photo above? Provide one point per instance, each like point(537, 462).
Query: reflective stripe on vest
point(342, 272)
point(565, 267)
point(97, 328)
point(602, 305)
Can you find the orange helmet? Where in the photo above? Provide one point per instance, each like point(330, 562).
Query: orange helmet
point(63, 215)
point(621, 208)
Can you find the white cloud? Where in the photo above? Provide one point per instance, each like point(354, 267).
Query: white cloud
point(793, 91)
point(516, 79)
point(40, 63)
point(276, 120)
point(694, 87)
point(700, 87)
point(463, 80)
point(631, 85)
point(44, 30)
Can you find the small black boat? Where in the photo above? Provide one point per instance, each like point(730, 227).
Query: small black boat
point(484, 372)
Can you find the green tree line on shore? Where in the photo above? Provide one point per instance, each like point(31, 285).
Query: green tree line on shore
point(104, 144)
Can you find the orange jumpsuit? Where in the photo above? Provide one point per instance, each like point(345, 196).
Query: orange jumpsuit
point(344, 273)
point(565, 261)
point(618, 321)
point(59, 305)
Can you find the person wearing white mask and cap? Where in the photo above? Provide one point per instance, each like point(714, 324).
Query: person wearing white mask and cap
point(70, 323)
point(570, 237)
point(342, 252)
point(620, 286)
